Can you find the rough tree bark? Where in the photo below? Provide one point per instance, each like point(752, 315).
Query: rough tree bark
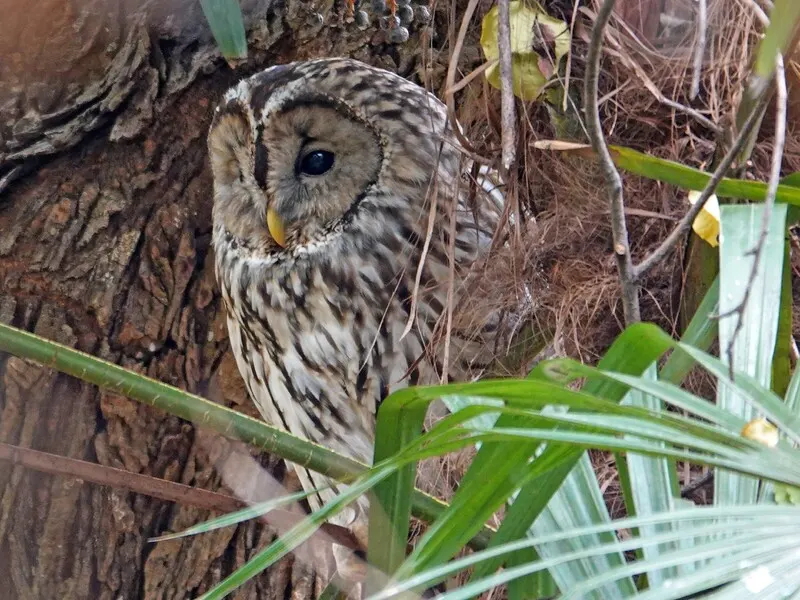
point(105, 220)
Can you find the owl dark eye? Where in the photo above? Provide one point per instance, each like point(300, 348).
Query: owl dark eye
point(316, 162)
point(260, 172)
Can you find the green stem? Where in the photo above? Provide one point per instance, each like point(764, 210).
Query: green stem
point(202, 413)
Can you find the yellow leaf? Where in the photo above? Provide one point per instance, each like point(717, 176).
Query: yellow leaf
point(538, 43)
point(706, 224)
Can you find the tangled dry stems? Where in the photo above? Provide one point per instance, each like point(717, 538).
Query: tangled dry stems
point(564, 252)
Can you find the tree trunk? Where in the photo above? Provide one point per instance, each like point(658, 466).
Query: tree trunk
point(105, 223)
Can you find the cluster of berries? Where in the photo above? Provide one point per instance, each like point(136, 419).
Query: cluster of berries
point(394, 16)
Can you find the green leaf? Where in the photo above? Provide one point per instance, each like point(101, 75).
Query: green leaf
point(653, 486)
point(538, 43)
point(532, 587)
point(781, 32)
point(792, 179)
point(700, 333)
point(694, 179)
point(579, 502)
point(781, 357)
point(227, 25)
point(751, 393)
point(750, 523)
point(632, 351)
point(747, 336)
point(660, 169)
point(399, 421)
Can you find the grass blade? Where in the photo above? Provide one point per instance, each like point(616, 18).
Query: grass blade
point(653, 486)
point(399, 421)
point(234, 518)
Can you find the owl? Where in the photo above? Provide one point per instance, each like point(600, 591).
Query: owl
point(344, 226)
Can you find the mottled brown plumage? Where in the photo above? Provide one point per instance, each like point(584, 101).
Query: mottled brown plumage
point(319, 298)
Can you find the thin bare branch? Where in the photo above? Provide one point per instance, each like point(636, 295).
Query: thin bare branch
point(508, 116)
point(568, 68)
point(688, 110)
point(699, 48)
point(781, 107)
point(685, 224)
point(619, 228)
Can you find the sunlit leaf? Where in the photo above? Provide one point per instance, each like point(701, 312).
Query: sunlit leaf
point(706, 224)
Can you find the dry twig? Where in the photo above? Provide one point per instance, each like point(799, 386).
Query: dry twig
point(619, 228)
point(700, 47)
point(507, 108)
point(450, 83)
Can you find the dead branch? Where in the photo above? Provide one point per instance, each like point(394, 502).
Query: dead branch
point(619, 228)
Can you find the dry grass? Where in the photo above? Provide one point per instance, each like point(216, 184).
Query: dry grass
point(562, 250)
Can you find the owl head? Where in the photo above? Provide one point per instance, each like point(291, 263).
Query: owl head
point(308, 153)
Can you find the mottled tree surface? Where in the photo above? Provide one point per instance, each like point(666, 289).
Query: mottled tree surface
point(105, 223)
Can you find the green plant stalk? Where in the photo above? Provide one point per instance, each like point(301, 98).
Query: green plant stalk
point(201, 412)
point(781, 365)
point(690, 178)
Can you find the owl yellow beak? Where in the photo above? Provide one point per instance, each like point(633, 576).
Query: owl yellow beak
point(276, 228)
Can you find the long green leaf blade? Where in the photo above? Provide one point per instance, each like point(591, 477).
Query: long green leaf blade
point(747, 331)
point(680, 175)
point(653, 485)
point(399, 421)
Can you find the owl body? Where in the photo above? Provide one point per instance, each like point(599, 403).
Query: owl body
point(341, 232)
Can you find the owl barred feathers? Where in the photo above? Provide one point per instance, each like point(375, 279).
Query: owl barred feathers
point(336, 188)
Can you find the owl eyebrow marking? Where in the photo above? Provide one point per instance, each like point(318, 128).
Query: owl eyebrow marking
point(260, 159)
